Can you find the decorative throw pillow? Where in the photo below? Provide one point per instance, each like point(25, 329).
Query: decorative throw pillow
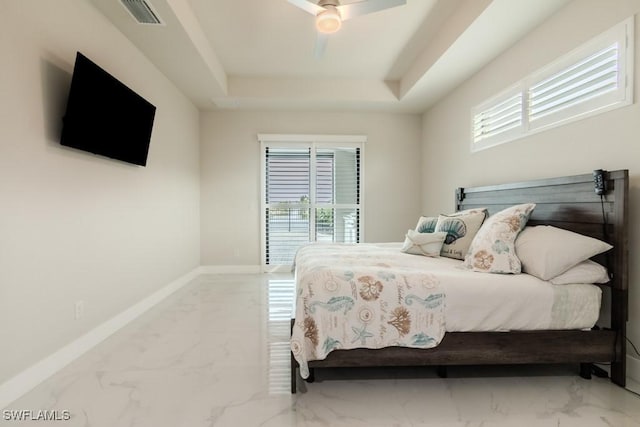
point(461, 227)
point(493, 249)
point(426, 224)
point(586, 272)
point(427, 244)
point(546, 251)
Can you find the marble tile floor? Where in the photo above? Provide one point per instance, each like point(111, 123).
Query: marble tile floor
point(216, 353)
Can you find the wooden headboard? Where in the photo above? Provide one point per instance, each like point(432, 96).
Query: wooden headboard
point(571, 203)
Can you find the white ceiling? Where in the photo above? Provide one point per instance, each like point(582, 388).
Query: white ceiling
point(259, 54)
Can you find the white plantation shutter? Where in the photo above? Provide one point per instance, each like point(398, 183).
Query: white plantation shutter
point(499, 119)
point(594, 78)
point(288, 179)
point(588, 84)
point(311, 192)
point(337, 194)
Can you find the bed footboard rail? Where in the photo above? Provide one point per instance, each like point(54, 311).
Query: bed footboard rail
point(488, 348)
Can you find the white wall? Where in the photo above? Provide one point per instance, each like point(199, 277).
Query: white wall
point(74, 226)
point(230, 165)
point(608, 141)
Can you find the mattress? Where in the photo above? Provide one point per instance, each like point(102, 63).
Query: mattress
point(504, 302)
point(496, 302)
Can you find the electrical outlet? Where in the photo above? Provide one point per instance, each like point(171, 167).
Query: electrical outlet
point(79, 309)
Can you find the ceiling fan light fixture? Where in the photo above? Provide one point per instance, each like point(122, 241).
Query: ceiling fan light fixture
point(328, 21)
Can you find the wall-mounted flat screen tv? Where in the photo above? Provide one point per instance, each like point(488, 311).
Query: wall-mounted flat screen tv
point(105, 117)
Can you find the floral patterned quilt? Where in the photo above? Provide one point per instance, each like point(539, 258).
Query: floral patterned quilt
point(365, 295)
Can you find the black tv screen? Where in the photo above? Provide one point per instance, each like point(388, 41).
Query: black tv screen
point(105, 117)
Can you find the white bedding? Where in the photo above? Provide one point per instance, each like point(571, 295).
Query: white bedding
point(472, 301)
point(503, 302)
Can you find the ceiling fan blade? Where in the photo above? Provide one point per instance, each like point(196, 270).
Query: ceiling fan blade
point(321, 44)
point(307, 6)
point(352, 10)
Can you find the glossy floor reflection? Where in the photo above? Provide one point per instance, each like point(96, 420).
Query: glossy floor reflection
point(216, 354)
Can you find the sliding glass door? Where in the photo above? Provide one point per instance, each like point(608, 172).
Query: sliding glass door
point(311, 192)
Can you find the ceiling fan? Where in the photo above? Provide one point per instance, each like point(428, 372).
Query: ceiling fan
point(330, 14)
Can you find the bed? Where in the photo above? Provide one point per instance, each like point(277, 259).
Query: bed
point(568, 203)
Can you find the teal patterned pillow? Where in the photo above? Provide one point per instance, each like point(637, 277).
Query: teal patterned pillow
point(461, 227)
point(493, 249)
point(426, 224)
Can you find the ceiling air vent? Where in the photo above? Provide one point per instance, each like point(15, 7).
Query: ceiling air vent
point(142, 11)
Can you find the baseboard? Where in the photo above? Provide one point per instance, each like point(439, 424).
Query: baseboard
point(230, 269)
point(633, 372)
point(22, 383)
point(277, 269)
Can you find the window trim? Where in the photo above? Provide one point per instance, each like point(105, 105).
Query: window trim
point(622, 33)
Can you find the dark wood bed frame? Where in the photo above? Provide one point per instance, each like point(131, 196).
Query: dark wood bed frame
point(566, 202)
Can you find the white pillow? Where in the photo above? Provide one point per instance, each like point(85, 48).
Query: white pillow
point(427, 244)
point(493, 248)
point(546, 251)
point(586, 272)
